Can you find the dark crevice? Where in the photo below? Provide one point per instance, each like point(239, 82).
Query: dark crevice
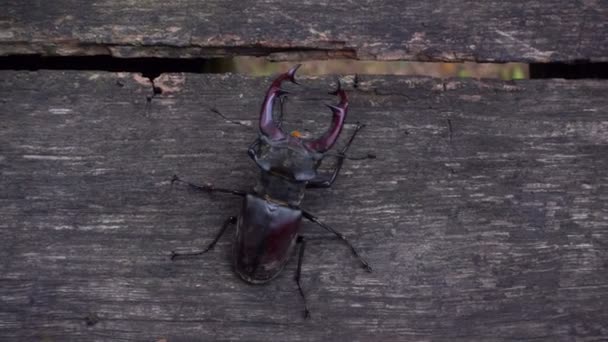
point(569, 70)
point(148, 67)
point(156, 90)
point(152, 67)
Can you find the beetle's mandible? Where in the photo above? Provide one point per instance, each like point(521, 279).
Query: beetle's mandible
point(268, 226)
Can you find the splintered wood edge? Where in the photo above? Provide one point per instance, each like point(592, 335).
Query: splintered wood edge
point(496, 31)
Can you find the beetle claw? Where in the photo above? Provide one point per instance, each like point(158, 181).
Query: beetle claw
point(267, 125)
point(327, 140)
point(292, 73)
point(334, 109)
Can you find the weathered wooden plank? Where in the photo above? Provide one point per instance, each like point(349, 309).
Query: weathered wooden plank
point(503, 31)
point(484, 214)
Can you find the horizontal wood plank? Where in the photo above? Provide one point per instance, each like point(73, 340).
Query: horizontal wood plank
point(422, 30)
point(484, 214)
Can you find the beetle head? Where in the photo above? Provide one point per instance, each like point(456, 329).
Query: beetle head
point(288, 158)
point(287, 155)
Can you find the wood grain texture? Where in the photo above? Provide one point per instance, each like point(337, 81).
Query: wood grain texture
point(503, 31)
point(484, 214)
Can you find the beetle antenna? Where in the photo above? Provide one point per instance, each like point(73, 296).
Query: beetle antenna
point(240, 123)
point(348, 157)
point(367, 156)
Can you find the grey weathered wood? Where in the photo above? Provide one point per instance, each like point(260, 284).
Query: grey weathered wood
point(528, 31)
point(484, 214)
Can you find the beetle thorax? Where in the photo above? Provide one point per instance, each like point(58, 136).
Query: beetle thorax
point(280, 189)
point(288, 158)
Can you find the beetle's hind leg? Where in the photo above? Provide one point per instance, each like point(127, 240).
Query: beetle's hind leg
point(302, 242)
point(314, 219)
point(228, 222)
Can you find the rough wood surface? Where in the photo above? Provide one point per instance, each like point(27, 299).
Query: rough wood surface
point(484, 215)
point(504, 31)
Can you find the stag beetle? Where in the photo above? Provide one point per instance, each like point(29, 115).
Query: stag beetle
point(269, 224)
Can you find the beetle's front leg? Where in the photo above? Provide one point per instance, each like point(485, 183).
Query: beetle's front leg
point(229, 221)
point(326, 181)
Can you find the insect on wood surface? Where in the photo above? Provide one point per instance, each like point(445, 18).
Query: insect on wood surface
point(269, 225)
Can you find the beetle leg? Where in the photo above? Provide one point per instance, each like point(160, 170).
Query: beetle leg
point(302, 241)
point(229, 221)
point(327, 181)
point(251, 151)
point(208, 187)
point(314, 219)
